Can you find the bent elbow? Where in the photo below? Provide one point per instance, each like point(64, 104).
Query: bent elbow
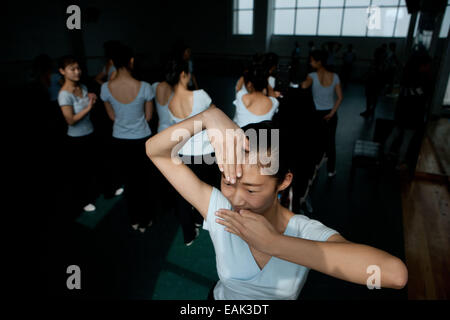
point(148, 148)
point(400, 275)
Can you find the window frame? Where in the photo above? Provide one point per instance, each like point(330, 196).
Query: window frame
point(297, 6)
point(235, 22)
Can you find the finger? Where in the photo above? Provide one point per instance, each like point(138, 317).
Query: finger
point(230, 154)
point(226, 224)
point(231, 217)
point(240, 156)
point(231, 230)
point(248, 214)
point(219, 157)
point(226, 171)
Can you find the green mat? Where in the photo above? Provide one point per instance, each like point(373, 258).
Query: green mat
point(103, 206)
point(188, 272)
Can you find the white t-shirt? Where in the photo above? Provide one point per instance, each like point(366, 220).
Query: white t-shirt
point(198, 144)
point(129, 121)
point(323, 96)
point(271, 82)
point(240, 276)
point(243, 116)
point(84, 126)
point(165, 120)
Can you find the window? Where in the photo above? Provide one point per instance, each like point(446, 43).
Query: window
point(445, 25)
point(445, 22)
point(342, 18)
point(243, 17)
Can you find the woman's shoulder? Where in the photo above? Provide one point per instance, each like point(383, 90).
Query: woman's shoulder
point(104, 86)
point(145, 84)
point(202, 97)
point(275, 102)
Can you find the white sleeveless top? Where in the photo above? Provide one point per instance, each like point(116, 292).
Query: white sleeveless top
point(240, 276)
point(199, 143)
point(165, 120)
point(243, 116)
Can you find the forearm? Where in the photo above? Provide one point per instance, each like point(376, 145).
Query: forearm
point(162, 144)
point(344, 260)
point(336, 106)
point(80, 115)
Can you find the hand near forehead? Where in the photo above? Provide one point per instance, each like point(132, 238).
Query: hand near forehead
point(229, 143)
point(253, 228)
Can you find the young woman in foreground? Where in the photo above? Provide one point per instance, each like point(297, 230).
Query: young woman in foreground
point(263, 250)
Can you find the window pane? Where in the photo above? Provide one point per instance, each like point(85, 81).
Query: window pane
point(332, 3)
point(355, 22)
point(308, 3)
point(416, 28)
point(384, 2)
point(383, 25)
point(284, 3)
point(401, 28)
point(445, 24)
point(284, 21)
point(245, 22)
point(306, 21)
point(330, 22)
point(357, 3)
point(245, 4)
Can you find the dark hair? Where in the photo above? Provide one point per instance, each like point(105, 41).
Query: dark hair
point(284, 164)
point(109, 48)
point(257, 75)
point(174, 69)
point(121, 56)
point(320, 55)
point(66, 61)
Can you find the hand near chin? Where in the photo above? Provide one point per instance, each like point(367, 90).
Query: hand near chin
point(253, 228)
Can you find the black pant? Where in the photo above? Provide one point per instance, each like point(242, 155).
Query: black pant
point(135, 171)
point(329, 137)
point(82, 163)
point(186, 213)
point(373, 91)
point(211, 292)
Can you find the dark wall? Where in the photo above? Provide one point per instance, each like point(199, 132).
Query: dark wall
point(151, 28)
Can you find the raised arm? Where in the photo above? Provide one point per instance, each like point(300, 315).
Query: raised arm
point(163, 149)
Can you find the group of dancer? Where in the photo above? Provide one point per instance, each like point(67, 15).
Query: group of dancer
point(263, 249)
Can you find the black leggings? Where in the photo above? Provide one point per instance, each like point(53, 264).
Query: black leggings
point(186, 213)
point(329, 137)
point(82, 162)
point(136, 172)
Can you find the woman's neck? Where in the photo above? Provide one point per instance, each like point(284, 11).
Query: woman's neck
point(275, 215)
point(70, 85)
point(181, 87)
point(123, 73)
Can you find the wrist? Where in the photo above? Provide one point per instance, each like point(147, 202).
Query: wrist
point(208, 115)
point(275, 244)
